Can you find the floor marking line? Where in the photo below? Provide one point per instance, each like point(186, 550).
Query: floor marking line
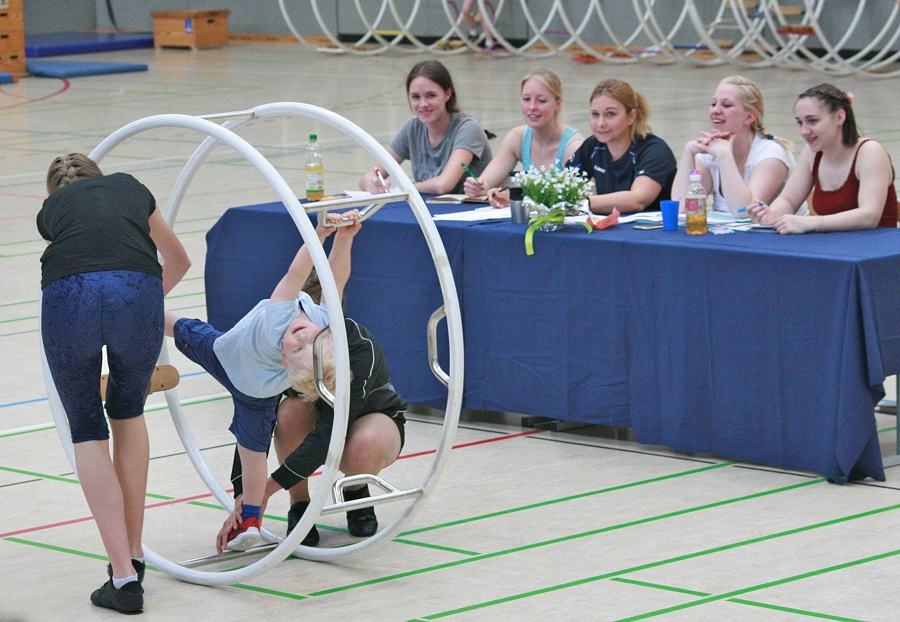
point(610, 575)
point(762, 586)
point(802, 612)
point(609, 528)
point(59, 549)
point(739, 601)
point(567, 498)
point(658, 586)
point(56, 478)
point(503, 437)
point(435, 547)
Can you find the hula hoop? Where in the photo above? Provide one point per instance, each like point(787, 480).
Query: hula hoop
point(224, 134)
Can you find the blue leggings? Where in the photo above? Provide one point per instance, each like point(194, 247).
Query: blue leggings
point(119, 309)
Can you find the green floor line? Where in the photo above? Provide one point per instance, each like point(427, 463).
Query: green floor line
point(173, 297)
point(762, 586)
point(569, 538)
point(68, 480)
point(22, 302)
point(657, 586)
point(10, 256)
point(890, 429)
point(20, 319)
point(49, 426)
point(104, 558)
point(253, 588)
point(582, 495)
point(739, 601)
point(672, 560)
point(802, 612)
point(435, 546)
point(58, 549)
point(148, 409)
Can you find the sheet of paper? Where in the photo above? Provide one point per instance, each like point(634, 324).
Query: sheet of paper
point(482, 213)
point(357, 194)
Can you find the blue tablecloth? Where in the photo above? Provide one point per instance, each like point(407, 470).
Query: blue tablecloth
point(754, 346)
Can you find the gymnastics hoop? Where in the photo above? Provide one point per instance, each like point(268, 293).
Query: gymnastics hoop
point(216, 134)
point(763, 31)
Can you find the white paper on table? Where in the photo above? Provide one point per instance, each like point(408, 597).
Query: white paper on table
point(481, 213)
point(357, 194)
point(642, 216)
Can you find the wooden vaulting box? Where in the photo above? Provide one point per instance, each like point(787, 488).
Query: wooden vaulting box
point(12, 37)
point(190, 29)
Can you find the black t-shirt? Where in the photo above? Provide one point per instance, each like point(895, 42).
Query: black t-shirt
point(649, 156)
point(95, 224)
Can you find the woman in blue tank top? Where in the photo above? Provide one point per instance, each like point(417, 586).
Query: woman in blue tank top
point(544, 142)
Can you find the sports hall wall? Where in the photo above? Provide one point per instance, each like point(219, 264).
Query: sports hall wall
point(264, 16)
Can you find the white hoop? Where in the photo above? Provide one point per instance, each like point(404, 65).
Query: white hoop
point(759, 34)
point(216, 134)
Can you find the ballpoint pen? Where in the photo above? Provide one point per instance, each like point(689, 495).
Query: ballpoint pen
point(469, 171)
point(380, 178)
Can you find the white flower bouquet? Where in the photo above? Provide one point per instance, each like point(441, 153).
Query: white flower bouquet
point(553, 195)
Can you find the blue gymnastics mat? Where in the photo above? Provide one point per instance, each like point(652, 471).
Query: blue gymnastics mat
point(64, 43)
point(6, 78)
point(48, 68)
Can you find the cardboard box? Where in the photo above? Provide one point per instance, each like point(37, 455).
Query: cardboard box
point(190, 29)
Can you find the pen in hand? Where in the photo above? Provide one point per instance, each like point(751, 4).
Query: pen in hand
point(469, 171)
point(381, 179)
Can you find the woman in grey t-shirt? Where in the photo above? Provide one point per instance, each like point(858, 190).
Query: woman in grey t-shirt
point(438, 140)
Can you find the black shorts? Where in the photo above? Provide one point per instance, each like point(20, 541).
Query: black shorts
point(385, 401)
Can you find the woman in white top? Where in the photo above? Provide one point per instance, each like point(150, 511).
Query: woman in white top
point(544, 142)
point(738, 160)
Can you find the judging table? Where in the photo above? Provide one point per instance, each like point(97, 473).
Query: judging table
point(753, 346)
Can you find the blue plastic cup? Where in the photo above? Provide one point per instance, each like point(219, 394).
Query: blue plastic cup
point(669, 214)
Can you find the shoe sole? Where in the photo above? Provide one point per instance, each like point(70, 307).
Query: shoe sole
point(244, 541)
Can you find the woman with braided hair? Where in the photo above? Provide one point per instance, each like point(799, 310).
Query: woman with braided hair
point(851, 178)
point(103, 285)
point(737, 159)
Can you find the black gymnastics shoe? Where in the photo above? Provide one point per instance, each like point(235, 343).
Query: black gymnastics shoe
point(139, 567)
point(128, 600)
point(362, 522)
point(294, 516)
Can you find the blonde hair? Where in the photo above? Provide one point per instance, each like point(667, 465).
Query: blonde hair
point(623, 93)
point(548, 78)
point(752, 101)
point(303, 378)
point(70, 168)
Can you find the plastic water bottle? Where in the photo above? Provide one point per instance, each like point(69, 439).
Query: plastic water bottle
point(315, 171)
point(695, 206)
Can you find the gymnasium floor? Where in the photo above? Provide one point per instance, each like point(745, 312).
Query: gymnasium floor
point(523, 524)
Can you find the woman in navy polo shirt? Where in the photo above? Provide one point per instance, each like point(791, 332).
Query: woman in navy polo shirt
point(632, 169)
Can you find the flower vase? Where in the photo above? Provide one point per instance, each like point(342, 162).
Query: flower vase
point(555, 221)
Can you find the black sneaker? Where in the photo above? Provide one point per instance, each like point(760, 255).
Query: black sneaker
point(362, 522)
point(128, 600)
point(294, 516)
point(139, 567)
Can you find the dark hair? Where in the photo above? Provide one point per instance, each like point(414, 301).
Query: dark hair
point(437, 73)
point(835, 99)
point(66, 169)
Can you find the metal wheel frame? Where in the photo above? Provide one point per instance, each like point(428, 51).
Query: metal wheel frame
point(223, 134)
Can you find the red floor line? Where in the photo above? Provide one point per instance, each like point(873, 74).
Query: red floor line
point(206, 495)
point(65, 87)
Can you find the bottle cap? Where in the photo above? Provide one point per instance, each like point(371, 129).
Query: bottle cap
point(313, 137)
point(695, 175)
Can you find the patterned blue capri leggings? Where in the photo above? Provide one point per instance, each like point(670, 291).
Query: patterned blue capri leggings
point(119, 309)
